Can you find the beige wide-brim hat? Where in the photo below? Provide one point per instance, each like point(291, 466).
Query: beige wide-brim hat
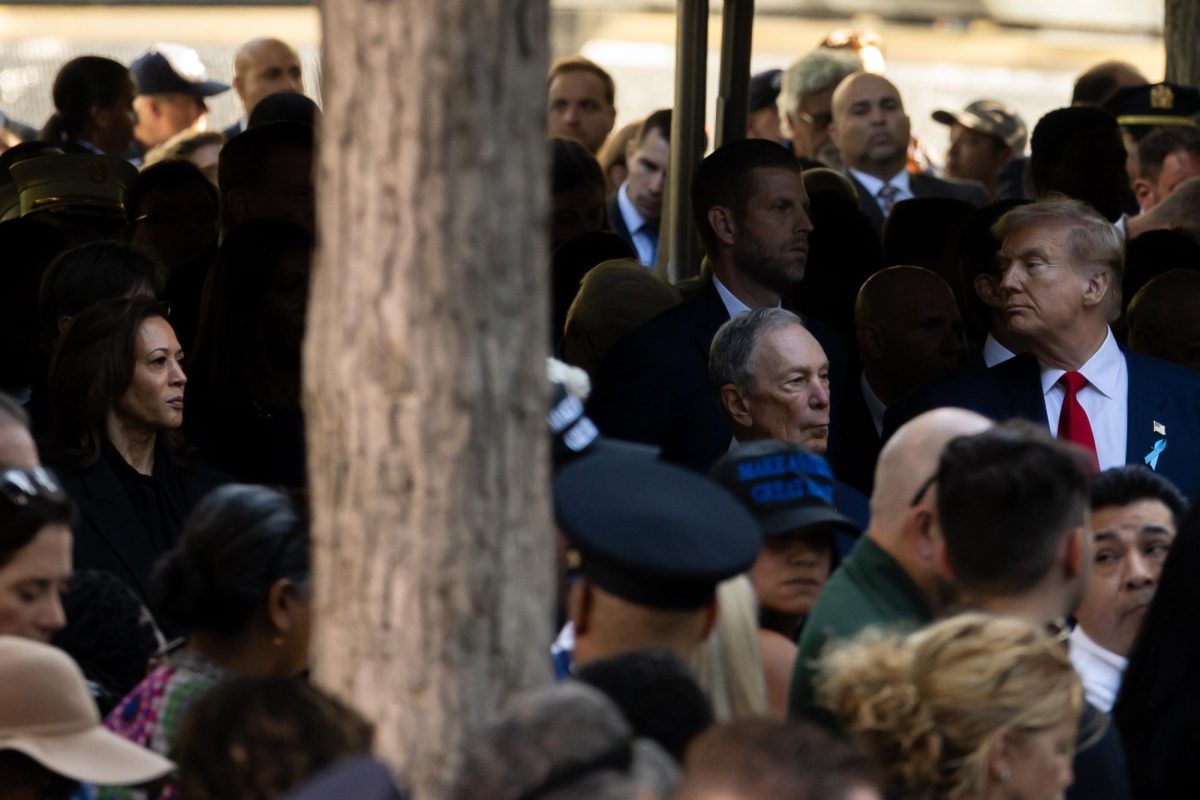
point(49, 716)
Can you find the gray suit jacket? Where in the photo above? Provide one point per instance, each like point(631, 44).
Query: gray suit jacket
point(922, 185)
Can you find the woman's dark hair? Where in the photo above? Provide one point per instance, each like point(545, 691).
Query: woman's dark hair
point(92, 367)
point(109, 633)
point(30, 499)
point(232, 362)
point(236, 544)
point(81, 84)
point(84, 275)
point(19, 771)
point(1158, 702)
point(284, 730)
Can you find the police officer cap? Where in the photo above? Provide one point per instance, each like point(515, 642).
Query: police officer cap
point(652, 533)
point(73, 181)
point(1154, 104)
point(786, 487)
point(173, 69)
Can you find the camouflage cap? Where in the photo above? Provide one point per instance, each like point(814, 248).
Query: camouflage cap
point(992, 118)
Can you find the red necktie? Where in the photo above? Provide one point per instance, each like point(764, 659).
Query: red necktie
point(1073, 424)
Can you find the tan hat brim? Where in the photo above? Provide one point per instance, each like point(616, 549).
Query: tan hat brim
point(96, 756)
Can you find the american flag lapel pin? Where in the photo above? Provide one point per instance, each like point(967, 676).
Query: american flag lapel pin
point(1159, 428)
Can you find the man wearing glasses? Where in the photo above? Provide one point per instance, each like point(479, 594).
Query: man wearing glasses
point(805, 104)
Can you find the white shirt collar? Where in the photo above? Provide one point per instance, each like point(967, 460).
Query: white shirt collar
point(1099, 669)
point(732, 304)
point(633, 220)
point(875, 406)
point(873, 184)
point(995, 353)
point(1120, 225)
point(1102, 370)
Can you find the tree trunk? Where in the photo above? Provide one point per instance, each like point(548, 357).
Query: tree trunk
point(425, 379)
point(1180, 35)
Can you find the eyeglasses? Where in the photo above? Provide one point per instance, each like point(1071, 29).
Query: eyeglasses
point(22, 486)
point(920, 495)
point(818, 121)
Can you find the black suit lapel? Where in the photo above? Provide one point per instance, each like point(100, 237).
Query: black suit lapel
point(866, 202)
point(110, 515)
point(1148, 413)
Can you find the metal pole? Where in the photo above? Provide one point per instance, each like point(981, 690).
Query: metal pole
point(687, 134)
point(737, 27)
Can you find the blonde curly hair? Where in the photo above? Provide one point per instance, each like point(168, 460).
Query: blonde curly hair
point(929, 706)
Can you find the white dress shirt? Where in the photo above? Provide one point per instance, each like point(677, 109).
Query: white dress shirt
point(645, 237)
point(1105, 400)
point(995, 353)
point(875, 406)
point(874, 186)
point(732, 304)
point(1098, 668)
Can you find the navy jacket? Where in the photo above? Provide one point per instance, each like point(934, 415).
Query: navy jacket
point(1161, 395)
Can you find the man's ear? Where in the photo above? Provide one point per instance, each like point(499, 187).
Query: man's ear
point(579, 605)
point(723, 225)
point(1099, 284)
point(870, 342)
point(733, 400)
point(1143, 190)
point(1073, 552)
point(987, 290)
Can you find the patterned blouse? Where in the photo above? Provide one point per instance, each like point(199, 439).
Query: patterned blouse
point(150, 714)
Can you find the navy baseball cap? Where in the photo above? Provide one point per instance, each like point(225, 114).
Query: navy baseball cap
point(652, 533)
point(173, 69)
point(764, 89)
point(786, 487)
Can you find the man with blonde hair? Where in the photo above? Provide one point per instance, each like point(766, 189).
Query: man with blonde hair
point(1059, 288)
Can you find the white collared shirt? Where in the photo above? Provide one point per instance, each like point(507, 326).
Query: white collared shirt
point(644, 240)
point(1105, 400)
point(874, 186)
point(995, 353)
point(1120, 225)
point(732, 304)
point(875, 406)
point(1098, 668)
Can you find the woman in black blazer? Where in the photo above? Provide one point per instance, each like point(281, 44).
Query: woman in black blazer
point(117, 398)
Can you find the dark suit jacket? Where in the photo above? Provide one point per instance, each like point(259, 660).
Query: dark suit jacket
point(109, 536)
point(1159, 392)
point(922, 185)
point(616, 221)
point(653, 386)
point(858, 449)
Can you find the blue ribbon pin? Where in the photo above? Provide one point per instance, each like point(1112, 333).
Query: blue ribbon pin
point(1152, 456)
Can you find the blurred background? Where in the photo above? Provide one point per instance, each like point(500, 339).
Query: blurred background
point(940, 53)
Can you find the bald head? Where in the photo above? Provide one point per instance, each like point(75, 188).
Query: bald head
point(264, 67)
point(16, 445)
point(909, 330)
point(1162, 318)
point(909, 459)
point(869, 126)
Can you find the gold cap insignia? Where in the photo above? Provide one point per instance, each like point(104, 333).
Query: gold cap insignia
point(1161, 96)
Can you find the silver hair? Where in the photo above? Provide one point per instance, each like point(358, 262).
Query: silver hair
point(821, 69)
point(1091, 239)
point(731, 356)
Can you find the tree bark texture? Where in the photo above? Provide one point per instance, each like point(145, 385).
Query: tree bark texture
point(425, 379)
point(1181, 36)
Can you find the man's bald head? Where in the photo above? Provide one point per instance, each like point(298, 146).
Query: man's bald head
point(264, 67)
point(1162, 318)
point(909, 330)
point(909, 460)
point(869, 126)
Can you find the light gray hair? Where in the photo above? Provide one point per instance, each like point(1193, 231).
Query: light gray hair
point(731, 356)
point(1091, 239)
point(821, 69)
